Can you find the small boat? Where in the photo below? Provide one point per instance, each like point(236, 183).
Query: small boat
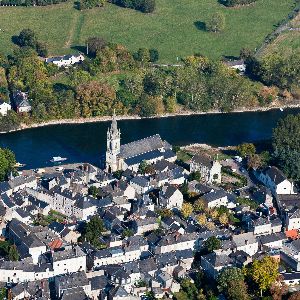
point(19, 165)
point(281, 109)
point(57, 159)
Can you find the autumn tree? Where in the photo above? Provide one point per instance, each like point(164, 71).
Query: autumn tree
point(263, 272)
point(201, 219)
point(223, 219)
point(186, 210)
point(199, 205)
point(95, 44)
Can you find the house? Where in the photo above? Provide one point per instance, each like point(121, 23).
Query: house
point(213, 263)
point(141, 226)
point(66, 60)
point(4, 108)
point(67, 282)
point(21, 103)
point(292, 220)
point(246, 242)
point(68, 261)
point(170, 197)
point(290, 254)
point(238, 65)
point(210, 170)
point(129, 156)
point(273, 240)
point(215, 198)
point(141, 184)
point(276, 181)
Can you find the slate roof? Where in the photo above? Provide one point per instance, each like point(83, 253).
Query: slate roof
point(76, 293)
point(143, 146)
point(218, 260)
point(144, 156)
point(140, 181)
point(265, 239)
point(68, 281)
point(275, 174)
point(241, 239)
point(68, 253)
point(214, 195)
point(168, 191)
point(202, 159)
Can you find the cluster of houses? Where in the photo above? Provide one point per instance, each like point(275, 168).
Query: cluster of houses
point(20, 102)
point(142, 250)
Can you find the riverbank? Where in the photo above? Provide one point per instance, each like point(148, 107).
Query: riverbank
point(136, 117)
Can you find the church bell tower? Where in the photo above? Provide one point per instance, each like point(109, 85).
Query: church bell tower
point(113, 146)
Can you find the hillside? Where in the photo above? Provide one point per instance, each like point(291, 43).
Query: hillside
point(175, 28)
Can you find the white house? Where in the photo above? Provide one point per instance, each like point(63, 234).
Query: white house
point(293, 219)
point(210, 170)
point(215, 198)
point(246, 242)
point(170, 197)
point(66, 60)
point(4, 107)
point(276, 181)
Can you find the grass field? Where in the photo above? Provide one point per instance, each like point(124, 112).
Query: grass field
point(171, 29)
point(287, 41)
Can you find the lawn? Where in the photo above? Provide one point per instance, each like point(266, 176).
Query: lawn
point(171, 29)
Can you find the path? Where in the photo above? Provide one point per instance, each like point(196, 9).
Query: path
point(75, 29)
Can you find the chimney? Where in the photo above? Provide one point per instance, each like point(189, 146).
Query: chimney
point(246, 242)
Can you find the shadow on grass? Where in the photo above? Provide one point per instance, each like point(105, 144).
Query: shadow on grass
point(79, 48)
point(15, 39)
point(77, 5)
point(200, 25)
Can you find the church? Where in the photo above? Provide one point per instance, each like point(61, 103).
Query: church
point(129, 156)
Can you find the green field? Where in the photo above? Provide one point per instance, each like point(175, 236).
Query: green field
point(171, 29)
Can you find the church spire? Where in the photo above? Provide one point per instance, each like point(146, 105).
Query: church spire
point(114, 125)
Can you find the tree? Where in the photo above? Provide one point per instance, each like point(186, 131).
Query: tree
point(263, 272)
point(165, 213)
point(93, 191)
point(186, 210)
point(27, 38)
point(3, 293)
point(147, 6)
point(254, 161)
point(295, 296)
point(227, 275)
point(211, 244)
point(154, 55)
point(223, 219)
point(7, 163)
point(237, 290)
point(93, 230)
point(246, 149)
point(286, 145)
point(216, 23)
point(201, 219)
point(13, 253)
point(142, 55)
point(143, 166)
point(95, 44)
point(199, 205)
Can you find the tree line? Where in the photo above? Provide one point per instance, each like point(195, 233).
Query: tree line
point(232, 3)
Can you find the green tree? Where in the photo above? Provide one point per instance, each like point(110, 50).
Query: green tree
point(211, 244)
point(246, 149)
point(13, 253)
point(93, 191)
point(227, 275)
point(27, 38)
point(95, 44)
point(154, 55)
point(3, 293)
point(93, 230)
point(216, 23)
point(286, 145)
point(7, 163)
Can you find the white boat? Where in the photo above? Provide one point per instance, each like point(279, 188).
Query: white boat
point(57, 159)
point(19, 165)
point(281, 109)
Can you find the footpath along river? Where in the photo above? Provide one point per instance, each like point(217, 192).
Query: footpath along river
point(87, 142)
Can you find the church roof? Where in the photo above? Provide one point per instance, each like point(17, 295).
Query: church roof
point(143, 146)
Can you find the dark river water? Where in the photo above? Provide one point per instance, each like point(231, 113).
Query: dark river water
point(87, 142)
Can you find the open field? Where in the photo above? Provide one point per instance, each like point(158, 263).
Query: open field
point(171, 29)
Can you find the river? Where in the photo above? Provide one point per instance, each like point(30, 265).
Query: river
point(87, 142)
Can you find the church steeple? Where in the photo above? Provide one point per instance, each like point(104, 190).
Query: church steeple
point(113, 145)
